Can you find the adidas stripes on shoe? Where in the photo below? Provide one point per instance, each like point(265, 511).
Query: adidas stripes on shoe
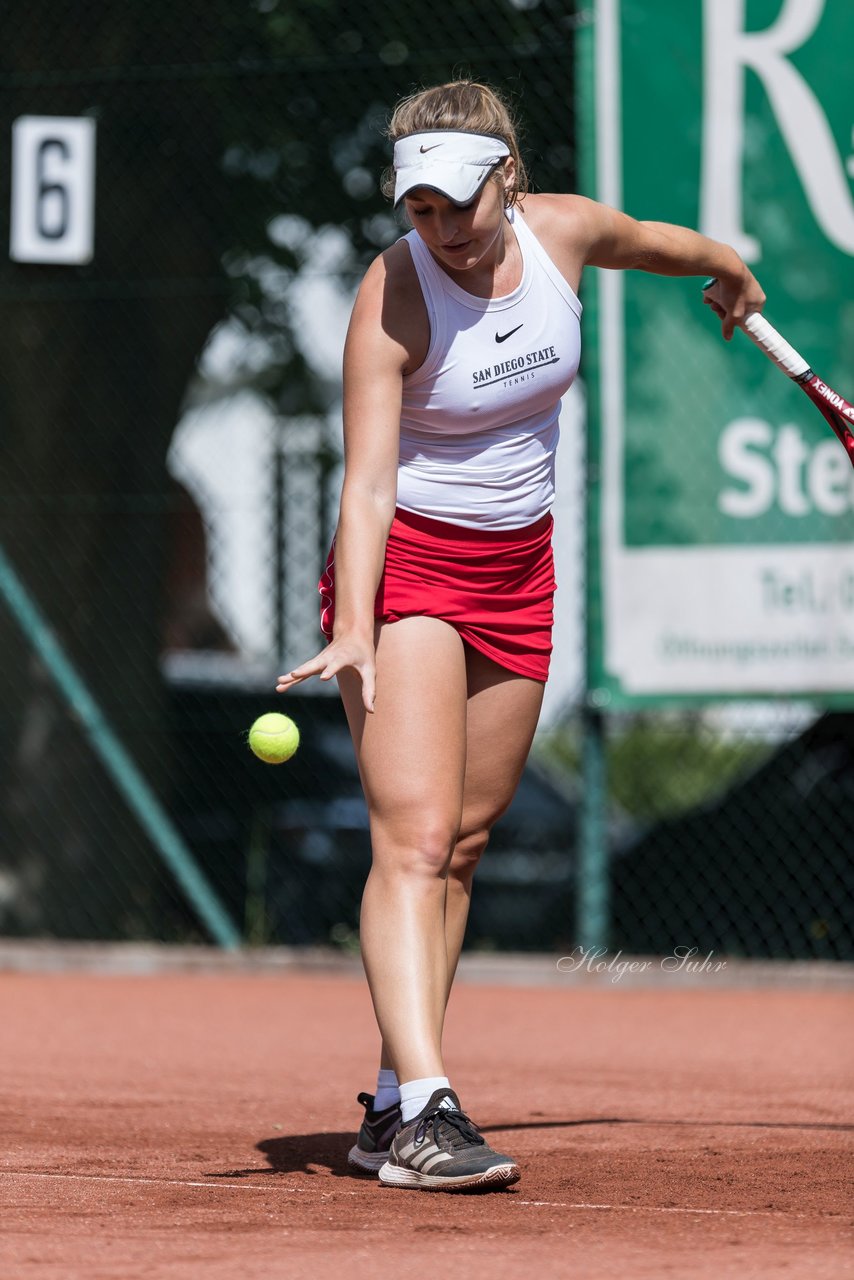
point(442, 1150)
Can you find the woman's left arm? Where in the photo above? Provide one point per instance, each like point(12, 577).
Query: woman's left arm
point(612, 239)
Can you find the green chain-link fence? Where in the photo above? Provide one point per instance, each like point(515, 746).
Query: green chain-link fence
point(169, 470)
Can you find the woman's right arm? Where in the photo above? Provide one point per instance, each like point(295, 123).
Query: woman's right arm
point(375, 356)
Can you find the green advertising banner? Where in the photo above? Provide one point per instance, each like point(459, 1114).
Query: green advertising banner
point(722, 507)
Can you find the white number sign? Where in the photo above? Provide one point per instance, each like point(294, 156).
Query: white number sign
point(53, 189)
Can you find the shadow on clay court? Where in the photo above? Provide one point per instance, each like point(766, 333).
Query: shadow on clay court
point(693, 1124)
point(327, 1152)
point(300, 1153)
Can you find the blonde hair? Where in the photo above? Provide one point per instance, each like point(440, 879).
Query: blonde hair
point(465, 107)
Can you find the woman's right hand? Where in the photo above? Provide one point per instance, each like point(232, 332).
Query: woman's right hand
point(375, 354)
point(340, 654)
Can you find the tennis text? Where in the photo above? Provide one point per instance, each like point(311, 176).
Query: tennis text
point(516, 364)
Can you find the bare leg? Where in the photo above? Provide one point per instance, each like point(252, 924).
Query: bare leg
point(503, 710)
point(500, 717)
point(412, 754)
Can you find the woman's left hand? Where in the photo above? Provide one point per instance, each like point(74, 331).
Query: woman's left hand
point(733, 300)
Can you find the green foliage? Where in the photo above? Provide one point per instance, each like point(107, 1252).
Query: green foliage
point(660, 765)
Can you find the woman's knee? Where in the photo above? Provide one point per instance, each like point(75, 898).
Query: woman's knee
point(467, 853)
point(422, 850)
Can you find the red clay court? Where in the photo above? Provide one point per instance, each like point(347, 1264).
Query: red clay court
point(184, 1114)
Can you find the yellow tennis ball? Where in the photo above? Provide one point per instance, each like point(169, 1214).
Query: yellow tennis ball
point(274, 738)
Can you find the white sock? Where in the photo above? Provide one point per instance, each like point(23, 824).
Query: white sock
point(415, 1094)
point(388, 1090)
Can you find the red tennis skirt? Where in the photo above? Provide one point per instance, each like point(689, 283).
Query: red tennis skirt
point(496, 586)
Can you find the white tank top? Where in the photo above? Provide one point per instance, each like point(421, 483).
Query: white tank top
point(479, 423)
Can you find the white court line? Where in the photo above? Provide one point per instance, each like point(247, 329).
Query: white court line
point(145, 1182)
point(534, 1204)
point(654, 1208)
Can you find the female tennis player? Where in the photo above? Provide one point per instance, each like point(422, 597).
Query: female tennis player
point(437, 597)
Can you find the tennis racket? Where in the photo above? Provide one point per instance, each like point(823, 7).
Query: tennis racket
point(834, 407)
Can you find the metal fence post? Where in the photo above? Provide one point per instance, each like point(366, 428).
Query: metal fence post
point(592, 918)
point(117, 761)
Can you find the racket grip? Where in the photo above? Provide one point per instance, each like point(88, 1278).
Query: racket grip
point(775, 346)
point(771, 342)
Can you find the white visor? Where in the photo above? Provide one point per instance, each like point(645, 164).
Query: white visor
point(455, 165)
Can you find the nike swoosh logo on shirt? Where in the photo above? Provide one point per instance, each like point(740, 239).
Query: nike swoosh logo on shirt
point(502, 337)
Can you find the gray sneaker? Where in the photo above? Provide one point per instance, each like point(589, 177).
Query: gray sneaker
point(374, 1141)
point(441, 1150)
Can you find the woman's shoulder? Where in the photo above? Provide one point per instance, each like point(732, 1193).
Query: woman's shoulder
point(393, 269)
point(390, 282)
point(390, 303)
point(547, 210)
point(566, 226)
